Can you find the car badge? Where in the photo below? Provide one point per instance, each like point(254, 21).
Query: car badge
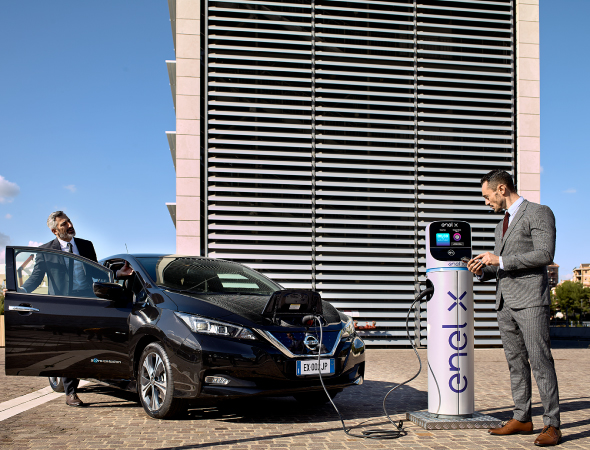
point(311, 342)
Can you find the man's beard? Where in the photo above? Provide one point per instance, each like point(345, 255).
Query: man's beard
point(501, 204)
point(67, 235)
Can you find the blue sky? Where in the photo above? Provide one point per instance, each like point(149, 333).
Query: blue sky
point(565, 119)
point(85, 102)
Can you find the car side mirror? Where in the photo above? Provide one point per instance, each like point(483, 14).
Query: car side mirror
point(109, 291)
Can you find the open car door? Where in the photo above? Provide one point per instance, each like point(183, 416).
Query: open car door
point(55, 325)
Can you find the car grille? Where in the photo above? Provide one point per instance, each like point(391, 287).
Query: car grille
point(293, 342)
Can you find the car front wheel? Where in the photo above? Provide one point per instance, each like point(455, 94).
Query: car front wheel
point(57, 384)
point(156, 385)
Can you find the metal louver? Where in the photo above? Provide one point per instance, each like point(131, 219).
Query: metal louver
point(465, 122)
point(336, 130)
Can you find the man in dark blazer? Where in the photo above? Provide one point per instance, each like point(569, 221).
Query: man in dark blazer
point(74, 282)
point(61, 281)
point(525, 245)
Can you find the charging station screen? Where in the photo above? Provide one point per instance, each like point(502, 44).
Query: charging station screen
point(449, 240)
point(443, 239)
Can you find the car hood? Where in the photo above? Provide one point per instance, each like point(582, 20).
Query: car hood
point(247, 306)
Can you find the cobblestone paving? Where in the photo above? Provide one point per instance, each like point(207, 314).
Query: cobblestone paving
point(12, 387)
point(114, 419)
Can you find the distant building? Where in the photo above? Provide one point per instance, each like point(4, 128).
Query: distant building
point(582, 275)
point(553, 274)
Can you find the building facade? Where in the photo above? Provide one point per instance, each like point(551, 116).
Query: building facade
point(315, 139)
point(582, 275)
point(553, 275)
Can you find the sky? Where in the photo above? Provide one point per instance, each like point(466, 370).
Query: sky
point(85, 103)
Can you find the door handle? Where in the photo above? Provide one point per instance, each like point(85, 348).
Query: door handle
point(23, 308)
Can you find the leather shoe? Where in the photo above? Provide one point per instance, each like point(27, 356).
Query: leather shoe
point(549, 436)
point(513, 426)
point(73, 400)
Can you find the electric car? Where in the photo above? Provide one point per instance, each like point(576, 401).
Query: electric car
point(181, 330)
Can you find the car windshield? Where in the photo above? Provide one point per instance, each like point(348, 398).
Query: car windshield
point(206, 276)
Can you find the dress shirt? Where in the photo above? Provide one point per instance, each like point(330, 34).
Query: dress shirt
point(79, 275)
point(512, 211)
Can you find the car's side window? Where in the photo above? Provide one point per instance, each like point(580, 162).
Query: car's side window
point(56, 273)
point(132, 284)
point(25, 263)
point(139, 293)
point(113, 266)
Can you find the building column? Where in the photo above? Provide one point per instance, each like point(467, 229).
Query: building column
point(528, 105)
point(188, 125)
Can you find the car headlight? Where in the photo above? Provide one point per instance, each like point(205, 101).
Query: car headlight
point(203, 325)
point(348, 329)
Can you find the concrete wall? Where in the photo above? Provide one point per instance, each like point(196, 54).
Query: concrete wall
point(528, 105)
point(188, 126)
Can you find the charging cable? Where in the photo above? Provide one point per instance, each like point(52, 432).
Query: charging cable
point(381, 433)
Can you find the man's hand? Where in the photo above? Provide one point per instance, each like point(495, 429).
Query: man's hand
point(124, 271)
point(488, 259)
point(477, 264)
point(4, 291)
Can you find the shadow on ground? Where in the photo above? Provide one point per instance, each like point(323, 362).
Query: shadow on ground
point(357, 402)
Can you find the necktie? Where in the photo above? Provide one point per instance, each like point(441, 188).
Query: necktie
point(505, 223)
point(70, 269)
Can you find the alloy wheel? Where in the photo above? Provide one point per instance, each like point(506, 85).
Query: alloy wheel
point(153, 381)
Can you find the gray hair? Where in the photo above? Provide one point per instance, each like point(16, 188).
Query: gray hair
point(51, 219)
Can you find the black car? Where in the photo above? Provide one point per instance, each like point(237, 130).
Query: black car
point(180, 330)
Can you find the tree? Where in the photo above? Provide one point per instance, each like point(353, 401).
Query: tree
point(554, 303)
point(572, 297)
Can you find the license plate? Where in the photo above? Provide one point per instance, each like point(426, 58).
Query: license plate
point(312, 367)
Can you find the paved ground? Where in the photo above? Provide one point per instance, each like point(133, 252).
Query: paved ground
point(114, 419)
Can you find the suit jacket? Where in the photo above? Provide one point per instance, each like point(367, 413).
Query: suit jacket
point(527, 248)
point(54, 265)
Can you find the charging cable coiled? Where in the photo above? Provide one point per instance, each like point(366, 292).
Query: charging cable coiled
point(381, 433)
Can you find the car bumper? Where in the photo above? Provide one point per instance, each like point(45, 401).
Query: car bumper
point(257, 368)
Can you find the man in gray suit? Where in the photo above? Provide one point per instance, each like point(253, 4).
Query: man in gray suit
point(525, 245)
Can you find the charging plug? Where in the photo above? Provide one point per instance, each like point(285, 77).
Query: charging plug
point(308, 321)
point(428, 292)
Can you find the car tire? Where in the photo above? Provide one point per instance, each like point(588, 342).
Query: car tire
point(155, 383)
point(57, 384)
point(316, 398)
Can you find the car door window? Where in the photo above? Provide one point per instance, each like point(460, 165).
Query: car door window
point(132, 284)
point(48, 272)
point(139, 293)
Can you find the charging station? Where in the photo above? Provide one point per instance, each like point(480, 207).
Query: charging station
point(450, 331)
point(450, 320)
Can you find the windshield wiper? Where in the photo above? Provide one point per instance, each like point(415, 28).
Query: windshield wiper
point(184, 291)
point(191, 291)
point(248, 293)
